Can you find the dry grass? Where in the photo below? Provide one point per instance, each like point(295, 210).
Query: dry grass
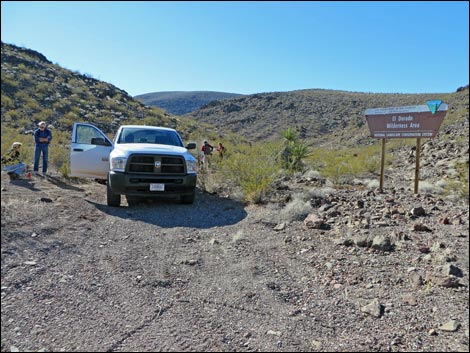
point(296, 210)
point(14, 210)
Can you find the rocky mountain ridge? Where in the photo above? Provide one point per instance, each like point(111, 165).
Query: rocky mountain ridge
point(318, 115)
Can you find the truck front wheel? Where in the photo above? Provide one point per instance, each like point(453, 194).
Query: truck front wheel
point(113, 199)
point(188, 199)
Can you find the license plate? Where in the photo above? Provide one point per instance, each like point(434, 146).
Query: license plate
point(157, 187)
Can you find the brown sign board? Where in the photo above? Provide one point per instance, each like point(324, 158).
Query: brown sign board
point(405, 122)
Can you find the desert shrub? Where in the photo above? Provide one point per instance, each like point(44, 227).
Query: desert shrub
point(7, 102)
point(253, 168)
point(68, 119)
point(458, 186)
point(295, 210)
point(59, 158)
point(320, 192)
point(9, 83)
point(373, 183)
point(342, 165)
point(43, 115)
point(13, 115)
point(64, 170)
point(312, 174)
point(425, 187)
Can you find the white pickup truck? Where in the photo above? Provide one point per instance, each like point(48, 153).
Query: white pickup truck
point(141, 161)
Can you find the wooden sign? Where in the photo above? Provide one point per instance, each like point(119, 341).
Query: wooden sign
point(405, 122)
point(416, 121)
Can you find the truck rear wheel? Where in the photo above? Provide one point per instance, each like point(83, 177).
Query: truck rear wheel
point(113, 199)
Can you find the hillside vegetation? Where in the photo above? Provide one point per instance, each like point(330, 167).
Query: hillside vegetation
point(180, 103)
point(34, 89)
point(318, 115)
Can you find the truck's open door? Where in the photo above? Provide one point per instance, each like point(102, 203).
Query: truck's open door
point(89, 152)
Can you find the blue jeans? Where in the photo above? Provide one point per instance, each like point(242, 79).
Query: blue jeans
point(16, 169)
point(44, 148)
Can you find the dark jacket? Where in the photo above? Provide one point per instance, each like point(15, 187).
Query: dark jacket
point(42, 133)
point(207, 148)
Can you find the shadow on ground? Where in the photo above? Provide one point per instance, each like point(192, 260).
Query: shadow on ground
point(61, 184)
point(207, 211)
point(25, 183)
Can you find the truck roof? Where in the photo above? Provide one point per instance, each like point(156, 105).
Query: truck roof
point(147, 127)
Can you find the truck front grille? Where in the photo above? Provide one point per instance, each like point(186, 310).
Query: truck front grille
point(156, 164)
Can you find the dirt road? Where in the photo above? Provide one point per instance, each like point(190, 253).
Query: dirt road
point(78, 275)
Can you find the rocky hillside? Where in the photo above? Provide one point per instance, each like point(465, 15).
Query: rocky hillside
point(35, 89)
point(180, 103)
point(318, 115)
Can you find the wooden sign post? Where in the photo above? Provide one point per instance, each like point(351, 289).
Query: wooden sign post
point(382, 165)
point(419, 121)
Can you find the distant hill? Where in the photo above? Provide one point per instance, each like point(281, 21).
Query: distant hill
point(334, 117)
point(180, 103)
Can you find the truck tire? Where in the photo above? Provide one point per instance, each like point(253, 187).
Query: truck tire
point(188, 199)
point(133, 200)
point(113, 199)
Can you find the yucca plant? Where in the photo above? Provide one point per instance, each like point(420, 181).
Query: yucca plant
point(294, 151)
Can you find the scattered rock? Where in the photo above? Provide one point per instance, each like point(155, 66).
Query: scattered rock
point(410, 299)
point(450, 269)
point(280, 226)
point(420, 227)
point(382, 243)
point(313, 221)
point(374, 308)
point(30, 263)
point(418, 212)
point(214, 241)
point(273, 333)
point(450, 326)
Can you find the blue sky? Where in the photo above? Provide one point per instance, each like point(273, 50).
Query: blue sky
point(250, 47)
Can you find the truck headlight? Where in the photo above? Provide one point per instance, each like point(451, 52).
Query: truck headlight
point(191, 166)
point(118, 164)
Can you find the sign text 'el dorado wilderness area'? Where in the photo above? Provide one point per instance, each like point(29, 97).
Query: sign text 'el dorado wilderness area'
point(406, 122)
point(417, 121)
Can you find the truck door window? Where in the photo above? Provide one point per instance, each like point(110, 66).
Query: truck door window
point(86, 133)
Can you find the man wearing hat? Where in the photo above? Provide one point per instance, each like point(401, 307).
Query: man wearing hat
point(42, 138)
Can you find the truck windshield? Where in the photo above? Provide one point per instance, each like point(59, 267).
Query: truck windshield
point(142, 135)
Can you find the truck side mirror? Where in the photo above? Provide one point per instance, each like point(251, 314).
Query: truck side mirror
point(99, 141)
point(191, 146)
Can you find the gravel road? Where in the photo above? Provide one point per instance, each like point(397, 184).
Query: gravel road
point(218, 275)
